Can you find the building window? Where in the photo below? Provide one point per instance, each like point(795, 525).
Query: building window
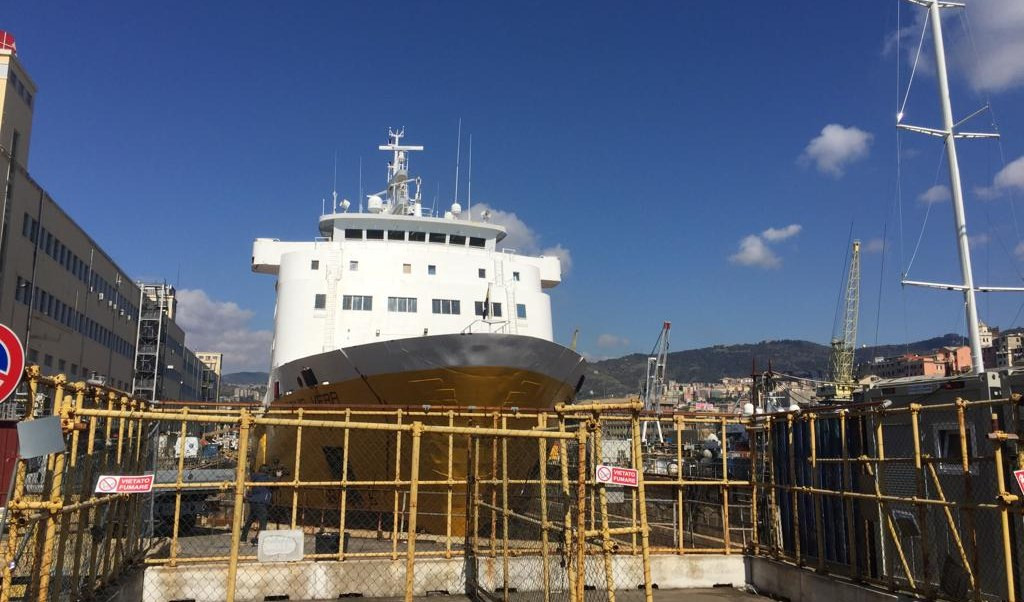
point(476, 242)
point(521, 311)
point(407, 268)
point(402, 304)
point(320, 301)
point(357, 302)
point(496, 310)
point(515, 276)
point(314, 264)
point(481, 272)
point(417, 236)
point(48, 360)
point(431, 270)
point(74, 369)
point(396, 234)
point(355, 233)
point(33, 356)
point(446, 306)
point(457, 239)
point(374, 235)
point(61, 365)
point(437, 237)
point(353, 266)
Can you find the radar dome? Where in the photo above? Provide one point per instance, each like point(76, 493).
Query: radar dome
point(456, 208)
point(374, 204)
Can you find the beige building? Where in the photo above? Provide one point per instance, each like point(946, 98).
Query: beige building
point(75, 310)
point(209, 388)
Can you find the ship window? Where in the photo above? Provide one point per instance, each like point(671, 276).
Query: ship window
point(320, 301)
point(353, 266)
point(457, 239)
point(481, 272)
point(375, 235)
point(357, 302)
point(407, 268)
point(515, 276)
point(314, 264)
point(354, 233)
point(478, 309)
point(476, 242)
point(417, 236)
point(432, 270)
point(437, 237)
point(446, 306)
point(402, 304)
point(520, 311)
point(396, 234)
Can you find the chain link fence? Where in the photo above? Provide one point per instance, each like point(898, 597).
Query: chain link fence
point(285, 503)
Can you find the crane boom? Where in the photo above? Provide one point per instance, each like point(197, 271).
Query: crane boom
point(844, 340)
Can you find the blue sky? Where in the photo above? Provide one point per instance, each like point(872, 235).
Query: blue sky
point(669, 146)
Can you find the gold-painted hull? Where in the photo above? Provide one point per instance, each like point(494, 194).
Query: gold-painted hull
point(457, 396)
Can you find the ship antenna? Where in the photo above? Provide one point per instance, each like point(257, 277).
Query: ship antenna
point(458, 151)
point(360, 184)
point(334, 189)
point(469, 191)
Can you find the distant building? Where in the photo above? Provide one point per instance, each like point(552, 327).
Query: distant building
point(209, 388)
point(164, 367)
point(1006, 350)
point(76, 311)
point(948, 361)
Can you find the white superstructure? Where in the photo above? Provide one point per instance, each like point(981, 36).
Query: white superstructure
point(394, 273)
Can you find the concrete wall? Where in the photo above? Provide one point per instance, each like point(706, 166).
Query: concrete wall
point(386, 578)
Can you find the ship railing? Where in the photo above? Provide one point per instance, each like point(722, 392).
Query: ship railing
point(490, 326)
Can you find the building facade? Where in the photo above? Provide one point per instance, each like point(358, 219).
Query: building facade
point(209, 387)
point(75, 310)
point(947, 361)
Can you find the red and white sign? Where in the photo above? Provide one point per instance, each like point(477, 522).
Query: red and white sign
point(1019, 475)
point(617, 476)
point(12, 361)
point(124, 484)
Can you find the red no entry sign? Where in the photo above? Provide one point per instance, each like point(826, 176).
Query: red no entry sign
point(12, 362)
point(124, 484)
point(615, 475)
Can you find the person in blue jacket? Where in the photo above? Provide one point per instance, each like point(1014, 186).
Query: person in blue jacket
point(259, 498)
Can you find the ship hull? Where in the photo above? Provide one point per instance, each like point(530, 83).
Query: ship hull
point(458, 372)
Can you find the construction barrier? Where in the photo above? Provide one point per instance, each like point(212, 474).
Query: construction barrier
point(572, 503)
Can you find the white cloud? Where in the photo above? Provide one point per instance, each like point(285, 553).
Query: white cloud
point(836, 147)
point(753, 252)
point(754, 249)
point(1019, 250)
point(223, 326)
point(977, 240)
point(777, 234)
point(610, 341)
point(1011, 176)
point(992, 58)
point(875, 245)
point(520, 236)
point(996, 26)
point(936, 194)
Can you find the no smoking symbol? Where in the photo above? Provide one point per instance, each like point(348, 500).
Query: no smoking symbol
point(107, 484)
point(604, 473)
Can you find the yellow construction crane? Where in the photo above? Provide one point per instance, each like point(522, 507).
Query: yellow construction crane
point(840, 383)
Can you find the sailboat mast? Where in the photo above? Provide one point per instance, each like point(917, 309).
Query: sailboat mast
point(956, 188)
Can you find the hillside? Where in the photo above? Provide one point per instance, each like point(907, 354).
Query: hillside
point(245, 378)
point(621, 376)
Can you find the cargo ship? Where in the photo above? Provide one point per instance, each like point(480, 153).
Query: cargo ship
point(394, 307)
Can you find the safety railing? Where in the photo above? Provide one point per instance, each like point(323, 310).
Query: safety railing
point(249, 503)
